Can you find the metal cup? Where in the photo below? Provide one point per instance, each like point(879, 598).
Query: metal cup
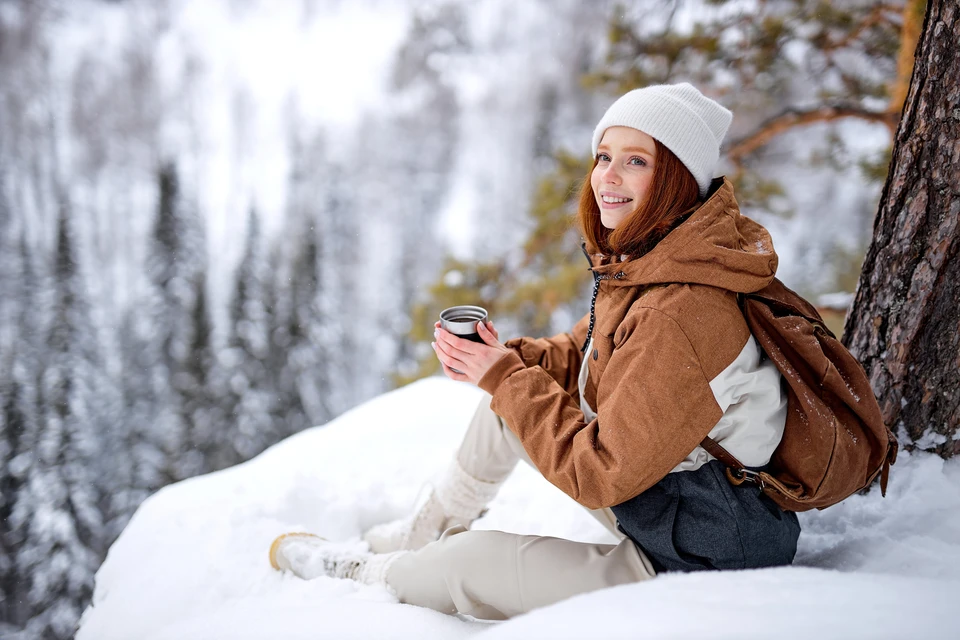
point(462, 321)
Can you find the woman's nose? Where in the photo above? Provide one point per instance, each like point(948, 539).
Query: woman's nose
point(610, 174)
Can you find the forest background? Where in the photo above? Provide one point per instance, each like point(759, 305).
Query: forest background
point(224, 221)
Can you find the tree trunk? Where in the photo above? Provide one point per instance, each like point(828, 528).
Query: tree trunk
point(905, 322)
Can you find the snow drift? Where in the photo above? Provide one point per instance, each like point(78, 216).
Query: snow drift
point(192, 563)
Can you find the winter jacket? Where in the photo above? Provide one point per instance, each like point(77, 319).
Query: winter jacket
point(670, 360)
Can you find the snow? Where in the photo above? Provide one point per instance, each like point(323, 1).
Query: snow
point(192, 563)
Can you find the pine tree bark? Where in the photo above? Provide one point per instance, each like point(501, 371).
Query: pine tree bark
point(905, 322)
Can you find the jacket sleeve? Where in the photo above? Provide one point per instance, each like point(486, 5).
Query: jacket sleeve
point(654, 406)
point(559, 356)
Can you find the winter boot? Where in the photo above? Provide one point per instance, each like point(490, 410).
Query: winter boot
point(309, 556)
point(458, 499)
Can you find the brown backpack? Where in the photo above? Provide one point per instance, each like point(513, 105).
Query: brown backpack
point(835, 442)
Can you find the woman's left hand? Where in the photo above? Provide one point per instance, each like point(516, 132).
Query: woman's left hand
point(471, 358)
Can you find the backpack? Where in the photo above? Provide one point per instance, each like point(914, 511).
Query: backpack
point(835, 442)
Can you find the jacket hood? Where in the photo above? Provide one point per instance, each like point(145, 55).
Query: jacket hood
point(715, 246)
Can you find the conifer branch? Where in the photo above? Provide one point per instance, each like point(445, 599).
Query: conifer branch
point(791, 118)
point(880, 14)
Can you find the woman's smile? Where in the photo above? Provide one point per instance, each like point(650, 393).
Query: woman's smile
point(610, 200)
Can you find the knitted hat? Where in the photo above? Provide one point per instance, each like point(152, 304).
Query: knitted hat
point(684, 120)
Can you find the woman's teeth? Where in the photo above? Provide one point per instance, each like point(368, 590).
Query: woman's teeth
point(612, 200)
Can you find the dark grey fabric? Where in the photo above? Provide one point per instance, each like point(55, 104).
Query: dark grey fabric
point(697, 520)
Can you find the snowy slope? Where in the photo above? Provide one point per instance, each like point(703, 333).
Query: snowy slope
point(192, 564)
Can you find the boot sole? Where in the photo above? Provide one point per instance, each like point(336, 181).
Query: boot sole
point(276, 545)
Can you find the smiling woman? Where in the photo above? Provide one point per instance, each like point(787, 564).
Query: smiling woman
point(613, 412)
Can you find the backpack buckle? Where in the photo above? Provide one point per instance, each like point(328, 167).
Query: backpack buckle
point(738, 476)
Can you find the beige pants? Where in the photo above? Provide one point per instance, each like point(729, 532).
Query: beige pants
point(494, 575)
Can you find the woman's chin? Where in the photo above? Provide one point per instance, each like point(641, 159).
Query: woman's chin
point(610, 221)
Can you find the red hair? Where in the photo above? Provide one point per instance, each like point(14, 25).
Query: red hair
point(673, 192)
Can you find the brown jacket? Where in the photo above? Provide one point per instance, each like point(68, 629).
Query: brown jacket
point(666, 325)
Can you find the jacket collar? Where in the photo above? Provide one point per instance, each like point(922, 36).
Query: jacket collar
point(716, 245)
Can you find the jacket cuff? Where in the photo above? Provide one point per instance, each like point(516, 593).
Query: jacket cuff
point(516, 345)
point(508, 364)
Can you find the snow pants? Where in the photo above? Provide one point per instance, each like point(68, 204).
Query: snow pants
point(493, 575)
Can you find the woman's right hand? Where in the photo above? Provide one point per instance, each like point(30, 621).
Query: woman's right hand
point(464, 360)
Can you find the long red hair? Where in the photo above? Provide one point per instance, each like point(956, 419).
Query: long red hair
point(673, 192)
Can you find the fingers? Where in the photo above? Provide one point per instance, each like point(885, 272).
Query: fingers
point(453, 374)
point(447, 359)
point(450, 373)
point(486, 334)
point(455, 345)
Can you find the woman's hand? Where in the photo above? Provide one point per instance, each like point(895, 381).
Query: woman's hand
point(472, 359)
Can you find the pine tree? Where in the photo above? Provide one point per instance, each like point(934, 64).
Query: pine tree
point(21, 427)
point(22, 423)
point(341, 323)
point(12, 427)
point(60, 504)
point(11, 396)
point(196, 386)
point(299, 349)
point(162, 333)
point(144, 384)
point(249, 395)
point(302, 384)
point(287, 413)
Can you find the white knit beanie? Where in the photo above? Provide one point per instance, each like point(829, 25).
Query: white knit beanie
point(684, 120)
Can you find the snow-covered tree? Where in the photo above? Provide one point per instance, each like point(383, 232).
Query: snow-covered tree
point(297, 356)
point(345, 333)
point(163, 333)
point(12, 426)
point(195, 383)
point(11, 397)
point(249, 398)
point(59, 505)
point(21, 428)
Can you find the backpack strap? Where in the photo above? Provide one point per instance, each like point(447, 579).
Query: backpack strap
point(737, 474)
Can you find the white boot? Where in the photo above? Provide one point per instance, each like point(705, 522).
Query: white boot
point(458, 498)
point(309, 556)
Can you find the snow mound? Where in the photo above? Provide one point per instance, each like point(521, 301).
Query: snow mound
point(192, 563)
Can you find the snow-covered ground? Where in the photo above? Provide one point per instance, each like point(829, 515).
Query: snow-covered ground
point(192, 564)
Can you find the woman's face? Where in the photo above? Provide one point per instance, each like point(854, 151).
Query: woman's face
point(623, 173)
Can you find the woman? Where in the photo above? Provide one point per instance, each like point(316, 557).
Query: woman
point(613, 412)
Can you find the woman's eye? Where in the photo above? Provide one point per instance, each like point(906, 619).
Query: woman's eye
point(602, 157)
point(640, 162)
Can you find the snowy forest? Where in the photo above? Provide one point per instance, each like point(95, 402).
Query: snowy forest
point(224, 221)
